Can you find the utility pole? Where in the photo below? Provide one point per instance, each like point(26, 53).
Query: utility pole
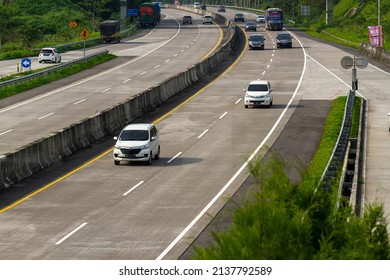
point(329, 11)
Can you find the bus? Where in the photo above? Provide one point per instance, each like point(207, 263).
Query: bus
point(273, 19)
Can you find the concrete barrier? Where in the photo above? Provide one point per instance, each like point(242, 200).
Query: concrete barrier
point(375, 52)
point(42, 153)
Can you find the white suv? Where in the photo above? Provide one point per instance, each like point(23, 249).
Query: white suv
point(196, 5)
point(137, 142)
point(258, 93)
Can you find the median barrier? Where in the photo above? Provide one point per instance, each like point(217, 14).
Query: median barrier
point(32, 158)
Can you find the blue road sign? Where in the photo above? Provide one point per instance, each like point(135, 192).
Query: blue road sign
point(26, 63)
point(132, 12)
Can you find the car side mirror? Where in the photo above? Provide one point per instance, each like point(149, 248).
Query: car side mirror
point(153, 138)
point(244, 90)
point(115, 137)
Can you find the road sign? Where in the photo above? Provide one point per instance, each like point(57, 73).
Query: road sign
point(361, 62)
point(132, 12)
point(26, 62)
point(73, 24)
point(346, 62)
point(85, 34)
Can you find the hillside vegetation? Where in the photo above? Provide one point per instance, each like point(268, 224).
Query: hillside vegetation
point(350, 20)
point(29, 24)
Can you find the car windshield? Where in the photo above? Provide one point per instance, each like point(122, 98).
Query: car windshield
point(134, 135)
point(256, 38)
point(239, 15)
point(258, 87)
point(284, 36)
point(187, 17)
point(250, 23)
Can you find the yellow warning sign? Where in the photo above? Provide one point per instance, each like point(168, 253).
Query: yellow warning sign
point(73, 24)
point(85, 34)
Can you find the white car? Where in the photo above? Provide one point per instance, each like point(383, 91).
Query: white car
point(49, 54)
point(207, 19)
point(137, 142)
point(196, 5)
point(260, 19)
point(258, 92)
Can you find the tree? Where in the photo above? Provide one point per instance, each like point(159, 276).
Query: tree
point(6, 14)
point(98, 9)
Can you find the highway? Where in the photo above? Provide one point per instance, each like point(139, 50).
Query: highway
point(103, 211)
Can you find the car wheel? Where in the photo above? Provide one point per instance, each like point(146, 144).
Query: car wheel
point(246, 106)
point(157, 156)
point(116, 162)
point(149, 162)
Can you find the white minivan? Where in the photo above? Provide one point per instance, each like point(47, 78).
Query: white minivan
point(196, 5)
point(258, 92)
point(137, 142)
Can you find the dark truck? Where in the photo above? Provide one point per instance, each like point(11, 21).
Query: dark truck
point(149, 14)
point(110, 31)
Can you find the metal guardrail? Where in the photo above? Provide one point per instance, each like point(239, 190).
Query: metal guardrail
point(96, 40)
point(50, 70)
point(336, 160)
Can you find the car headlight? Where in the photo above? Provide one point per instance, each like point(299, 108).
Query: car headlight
point(118, 147)
point(145, 147)
point(268, 95)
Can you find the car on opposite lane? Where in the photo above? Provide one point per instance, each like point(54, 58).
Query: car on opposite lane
point(137, 142)
point(221, 8)
point(187, 20)
point(258, 92)
point(207, 19)
point(49, 55)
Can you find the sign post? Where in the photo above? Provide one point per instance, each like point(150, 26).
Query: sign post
point(26, 63)
point(84, 34)
point(348, 62)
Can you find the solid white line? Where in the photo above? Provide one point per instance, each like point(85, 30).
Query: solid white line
point(71, 233)
point(125, 81)
point(227, 185)
point(133, 188)
point(104, 90)
point(203, 133)
point(143, 73)
point(45, 116)
point(224, 114)
point(6, 132)
point(178, 154)
point(238, 101)
point(78, 102)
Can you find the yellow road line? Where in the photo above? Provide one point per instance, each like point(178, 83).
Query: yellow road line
point(111, 149)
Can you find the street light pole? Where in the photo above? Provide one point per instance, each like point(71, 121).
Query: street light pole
point(379, 12)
